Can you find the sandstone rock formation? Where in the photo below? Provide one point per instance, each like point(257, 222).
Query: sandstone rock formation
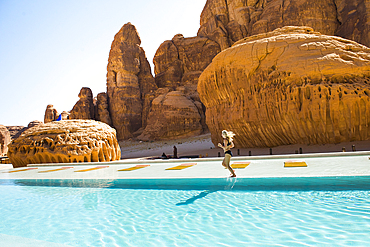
point(4, 140)
point(84, 108)
point(178, 65)
point(172, 116)
point(229, 21)
point(129, 80)
point(289, 86)
point(65, 115)
point(64, 142)
point(180, 61)
point(102, 109)
point(51, 114)
point(15, 131)
point(34, 123)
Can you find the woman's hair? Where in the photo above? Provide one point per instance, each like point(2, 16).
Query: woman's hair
point(228, 134)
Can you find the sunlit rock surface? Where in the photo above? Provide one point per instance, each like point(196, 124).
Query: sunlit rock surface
point(289, 86)
point(129, 79)
point(64, 142)
point(172, 115)
point(229, 21)
point(4, 140)
point(51, 114)
point(102, 109)
point(84, 108)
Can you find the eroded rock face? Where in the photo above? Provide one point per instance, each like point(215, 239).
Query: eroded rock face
point(15, 131)
point(51, 114)
point(84, 108)
point(289, 86)
point(34, 123)
point(4, 140)
point(178, 65)
point(65, 142)
point(65, 115)
point(128, 81)
point(172, 115)
point(102, 109)
point(180, 61)
point(229, 21)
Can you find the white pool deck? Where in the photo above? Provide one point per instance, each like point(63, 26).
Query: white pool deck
point(318, 165)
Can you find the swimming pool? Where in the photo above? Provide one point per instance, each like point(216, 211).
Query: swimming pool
point(199, 212)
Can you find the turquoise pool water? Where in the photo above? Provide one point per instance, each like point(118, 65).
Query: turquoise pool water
point(213, 212)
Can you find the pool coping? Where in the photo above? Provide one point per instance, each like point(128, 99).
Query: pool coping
point(234, 158)
point(304, 165)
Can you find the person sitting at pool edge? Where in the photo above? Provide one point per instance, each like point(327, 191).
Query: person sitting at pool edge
point(226, 146)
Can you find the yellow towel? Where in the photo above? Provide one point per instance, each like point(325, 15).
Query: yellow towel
point(240, 165)
point(295, 164)
point(182, 166)
point(92, 169)
point(133, 168)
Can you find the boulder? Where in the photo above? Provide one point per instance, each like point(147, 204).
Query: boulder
point(65, 141)
point(128, 80)
point(84, 108)
point(229, 21)
point(172, 116)
point(4, 140)
point(51, 114)
point(289, 86)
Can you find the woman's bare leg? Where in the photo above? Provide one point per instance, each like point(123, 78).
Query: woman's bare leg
point(227, 163)
point(224, 163)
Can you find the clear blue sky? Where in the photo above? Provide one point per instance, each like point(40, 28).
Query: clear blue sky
point(50, 49)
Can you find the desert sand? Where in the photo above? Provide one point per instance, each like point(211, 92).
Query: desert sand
point(203, 146)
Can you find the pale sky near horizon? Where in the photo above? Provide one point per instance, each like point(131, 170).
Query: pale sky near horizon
point(49, 50)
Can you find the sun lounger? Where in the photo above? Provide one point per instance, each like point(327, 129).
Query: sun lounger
point(92, 169)
point(21, 170)
point(133, 168)
point(295, 164)
point(240, 165)
point(55, 170)
point(182, 166)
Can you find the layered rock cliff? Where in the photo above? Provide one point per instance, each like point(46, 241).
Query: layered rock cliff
point(179, 62)
point(131, 88)
point(178, 65)
point(289, 86)
point(172, 115)
point(229, 21)
point(129, 79)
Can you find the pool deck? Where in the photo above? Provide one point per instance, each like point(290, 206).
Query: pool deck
point(297, 165)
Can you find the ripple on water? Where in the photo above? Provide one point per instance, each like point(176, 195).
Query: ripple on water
point(122, 217)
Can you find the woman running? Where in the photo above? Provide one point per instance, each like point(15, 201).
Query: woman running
point(226, 146)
